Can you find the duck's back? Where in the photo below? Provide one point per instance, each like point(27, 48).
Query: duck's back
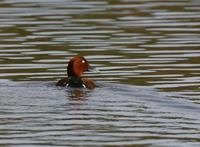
point(88, 83)
point(63, 82)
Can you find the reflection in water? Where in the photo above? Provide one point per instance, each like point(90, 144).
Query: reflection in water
point(136, 42)
point(77, 94)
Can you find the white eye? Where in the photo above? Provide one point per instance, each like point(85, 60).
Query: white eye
point(83, 61)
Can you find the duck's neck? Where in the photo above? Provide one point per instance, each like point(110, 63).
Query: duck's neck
point(75, 82)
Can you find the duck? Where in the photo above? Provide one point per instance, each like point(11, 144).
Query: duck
point(75, 69)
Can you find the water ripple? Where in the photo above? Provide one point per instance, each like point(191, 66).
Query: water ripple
point(141, 42)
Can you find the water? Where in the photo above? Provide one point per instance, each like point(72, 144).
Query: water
point(147, 52)
point(35, 114)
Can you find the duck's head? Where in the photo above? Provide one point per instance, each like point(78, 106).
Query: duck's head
point(77, 66)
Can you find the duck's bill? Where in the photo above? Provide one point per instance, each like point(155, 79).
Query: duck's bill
point(92, 69)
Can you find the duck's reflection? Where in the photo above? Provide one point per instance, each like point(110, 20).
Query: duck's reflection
point(77, 94)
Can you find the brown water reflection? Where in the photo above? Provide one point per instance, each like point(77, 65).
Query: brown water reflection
point(136, 42)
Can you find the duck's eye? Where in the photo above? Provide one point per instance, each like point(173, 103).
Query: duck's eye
point(83, 61)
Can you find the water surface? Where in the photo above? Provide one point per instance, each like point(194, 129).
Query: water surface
point(148, 87)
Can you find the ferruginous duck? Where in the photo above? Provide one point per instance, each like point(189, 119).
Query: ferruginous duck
point(76, 67)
